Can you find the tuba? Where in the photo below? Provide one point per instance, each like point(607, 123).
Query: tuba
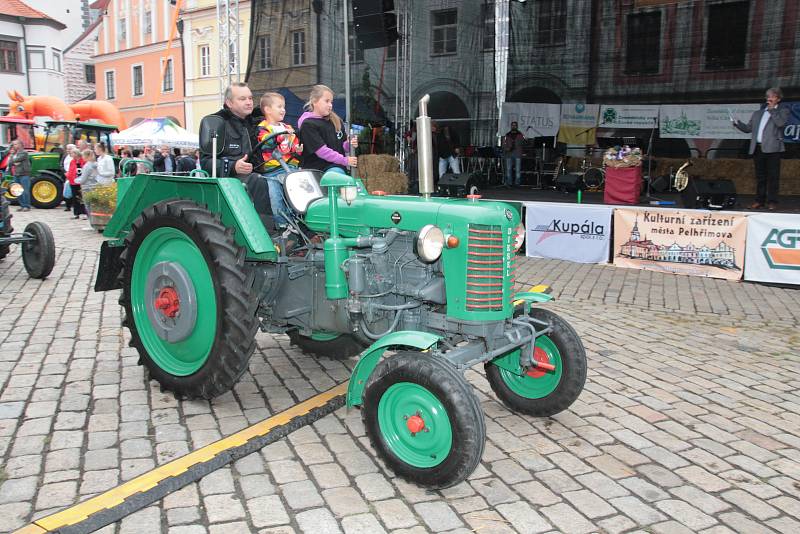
point(682, 177)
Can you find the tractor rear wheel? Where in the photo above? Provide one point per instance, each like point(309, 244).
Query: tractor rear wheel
point(46, 191)
point(39, 255)
point(327, 344)
point(423, 419)
point(189, 301)
point(540, 392)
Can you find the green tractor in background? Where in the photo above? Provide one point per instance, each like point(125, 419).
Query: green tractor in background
point(47, 174)
point(421, 287)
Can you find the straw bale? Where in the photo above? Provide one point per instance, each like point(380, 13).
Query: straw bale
point(392, 183)
point(372, 164)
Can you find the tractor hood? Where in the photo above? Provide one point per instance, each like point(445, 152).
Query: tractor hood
point(369, 212)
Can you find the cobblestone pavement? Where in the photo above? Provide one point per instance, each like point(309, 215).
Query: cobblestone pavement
point(689, 420)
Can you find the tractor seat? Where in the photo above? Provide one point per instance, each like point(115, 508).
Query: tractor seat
point(301, 189)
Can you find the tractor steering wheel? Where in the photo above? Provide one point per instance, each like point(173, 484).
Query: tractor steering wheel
point(269, 138)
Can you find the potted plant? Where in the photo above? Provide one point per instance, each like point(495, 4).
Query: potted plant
point(100, 201)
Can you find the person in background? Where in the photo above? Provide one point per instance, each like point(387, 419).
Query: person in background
point(83, 145)
point(66, 163)
point(273, 105)
point(85, 181)
point(512, 154)
point(447, 150)
point(766, 146)
point(324, 142)
point(164, 160)
point(21, 169)
point(75, 203)
point(186, 163)
point(105, 165)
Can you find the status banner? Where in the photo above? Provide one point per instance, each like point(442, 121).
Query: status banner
point(773, 248)
point(574, 232)
point(534, 120)
point(628, 116)
point(698, 243)
point(704, 121)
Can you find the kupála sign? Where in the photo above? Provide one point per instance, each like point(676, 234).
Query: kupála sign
point(773, 249)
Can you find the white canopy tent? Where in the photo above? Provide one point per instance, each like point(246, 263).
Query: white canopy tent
point(161, 131)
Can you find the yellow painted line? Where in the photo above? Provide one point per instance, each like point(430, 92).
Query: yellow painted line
point(117, 496)
point(541, 288)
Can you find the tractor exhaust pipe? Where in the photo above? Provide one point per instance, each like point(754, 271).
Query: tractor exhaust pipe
point(424, 149)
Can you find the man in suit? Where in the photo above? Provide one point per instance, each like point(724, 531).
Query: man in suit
point(164, 161)
point(766, 146)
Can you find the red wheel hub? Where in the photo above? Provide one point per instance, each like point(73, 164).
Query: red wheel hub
point(540, 357)
point(167, 302)
point(415, 424)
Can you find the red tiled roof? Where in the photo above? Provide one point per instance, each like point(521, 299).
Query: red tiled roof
point(99, 4)
point(16, 8)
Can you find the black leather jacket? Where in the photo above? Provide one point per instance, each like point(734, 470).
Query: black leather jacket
point(235, 138)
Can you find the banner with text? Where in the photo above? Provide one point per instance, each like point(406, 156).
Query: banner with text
point(628, 116)
point(791, 132)
point(534, 120)
point(696, 243)
point(573, 232)
point(773, 248)
point(704, 121)
point(578, 123)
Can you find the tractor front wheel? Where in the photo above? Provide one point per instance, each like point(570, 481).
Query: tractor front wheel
point(189, 302)
point(46, 191)
point(39, 255)
point(424, 419)
point(538, 391)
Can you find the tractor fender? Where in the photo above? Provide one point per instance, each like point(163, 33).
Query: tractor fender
point(48, 172)
point(224, 196)
point(372, 355)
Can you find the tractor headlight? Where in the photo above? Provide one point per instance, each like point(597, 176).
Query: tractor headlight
point(519, 238)
point(16, 189)
point(430, 243)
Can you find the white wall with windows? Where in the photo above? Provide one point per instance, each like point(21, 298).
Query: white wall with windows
point(36, 42)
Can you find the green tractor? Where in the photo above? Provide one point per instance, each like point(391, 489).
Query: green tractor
point(421, 287)
point(47, 174)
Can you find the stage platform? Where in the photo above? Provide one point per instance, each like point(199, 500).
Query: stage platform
point(788, 204)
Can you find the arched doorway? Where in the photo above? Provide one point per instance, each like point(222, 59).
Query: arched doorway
point(447, 109)
point(535, 94)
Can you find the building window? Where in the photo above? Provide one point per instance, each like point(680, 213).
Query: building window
point(88, 73)
point(9, 54)
point(138, 80)
point(264, 53)
point(111, 90)
point(488, 25)
point(122, 29)
point(726, 40)
point(35, 59)
point(57, 60)
point(168, 84)
point(205, 60)
point(551, 27)
point(443, 32)
point(643, 47)
point(148, 23)
point(298, 48)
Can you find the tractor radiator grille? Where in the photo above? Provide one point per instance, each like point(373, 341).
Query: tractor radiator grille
point(485, 268)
